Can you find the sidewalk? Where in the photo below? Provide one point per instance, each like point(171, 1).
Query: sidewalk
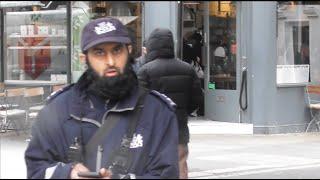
point(230, 150)
point(200, 125)
point(217, 150)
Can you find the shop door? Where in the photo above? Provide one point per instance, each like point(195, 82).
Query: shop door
point(222, 79)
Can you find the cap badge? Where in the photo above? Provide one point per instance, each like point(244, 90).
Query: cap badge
point(104, 27)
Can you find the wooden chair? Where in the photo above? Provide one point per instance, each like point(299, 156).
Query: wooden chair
point(30, 95)
point(313, 94)
point(14, 111)
point(57, 87)
point(34, 98)
point(2, 87)
point(2, 94)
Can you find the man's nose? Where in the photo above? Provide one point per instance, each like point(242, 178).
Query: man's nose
point(110, 60)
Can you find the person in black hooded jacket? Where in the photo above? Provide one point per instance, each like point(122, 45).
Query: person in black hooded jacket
point(175, 79)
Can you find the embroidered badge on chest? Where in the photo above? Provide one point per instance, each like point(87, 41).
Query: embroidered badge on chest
point(137, 141)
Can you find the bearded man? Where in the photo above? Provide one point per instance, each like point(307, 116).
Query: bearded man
point(105, 125)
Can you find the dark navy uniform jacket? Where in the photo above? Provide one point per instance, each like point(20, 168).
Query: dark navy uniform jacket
point(155, 150)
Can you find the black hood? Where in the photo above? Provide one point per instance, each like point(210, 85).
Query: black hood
point(160, 45)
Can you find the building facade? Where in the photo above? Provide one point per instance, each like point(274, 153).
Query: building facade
point(257, 57)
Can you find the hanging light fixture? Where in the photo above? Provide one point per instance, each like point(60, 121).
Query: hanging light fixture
point(188, 16)
point(119, 9)
point(224, 6)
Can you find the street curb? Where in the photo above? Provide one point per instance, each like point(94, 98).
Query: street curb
point(205, 126)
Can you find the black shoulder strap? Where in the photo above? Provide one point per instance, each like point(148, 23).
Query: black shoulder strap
point(102, 132)
point(109, 123)
point(136, 112)
point(121, 158)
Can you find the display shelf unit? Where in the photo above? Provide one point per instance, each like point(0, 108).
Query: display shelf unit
point(35, 46)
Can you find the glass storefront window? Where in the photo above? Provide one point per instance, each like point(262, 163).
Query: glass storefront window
point(36, 44)
point(128, 12)
point(222, 22)
point(298, 41)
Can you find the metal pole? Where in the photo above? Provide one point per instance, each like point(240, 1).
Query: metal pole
point(2, 46)
point(69, 39)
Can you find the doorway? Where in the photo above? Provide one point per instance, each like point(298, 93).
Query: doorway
point(222, 54)
point(222, 79)
point(191, 46)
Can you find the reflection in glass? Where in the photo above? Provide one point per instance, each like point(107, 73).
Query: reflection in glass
point(223, 44)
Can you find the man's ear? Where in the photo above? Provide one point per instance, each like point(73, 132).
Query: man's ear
point(82, 58)
point(130, 48)
point(144, 50)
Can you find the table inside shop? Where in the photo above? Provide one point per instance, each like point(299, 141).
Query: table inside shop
point(227, 80)
point(34, 83)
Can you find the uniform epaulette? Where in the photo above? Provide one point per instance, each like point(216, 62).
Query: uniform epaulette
point(165, 99)
point(57, 93)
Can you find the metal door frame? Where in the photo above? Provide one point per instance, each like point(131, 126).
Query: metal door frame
point(242, 51)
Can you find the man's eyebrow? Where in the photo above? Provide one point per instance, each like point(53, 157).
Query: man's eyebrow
point(97, 48)
point(118, 46)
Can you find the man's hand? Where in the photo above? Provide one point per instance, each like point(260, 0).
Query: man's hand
point(105, 173)
point(76, 169)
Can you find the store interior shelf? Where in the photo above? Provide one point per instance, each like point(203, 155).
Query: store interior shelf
point(58, 11)
point(34, 36)
point(37, 47)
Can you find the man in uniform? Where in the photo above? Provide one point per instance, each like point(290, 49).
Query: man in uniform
point(70, 139)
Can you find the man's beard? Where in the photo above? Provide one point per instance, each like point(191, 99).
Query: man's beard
point(113, 88)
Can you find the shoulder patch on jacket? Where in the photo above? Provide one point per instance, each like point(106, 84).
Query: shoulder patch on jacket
point(57, 93)
point(165, 99)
